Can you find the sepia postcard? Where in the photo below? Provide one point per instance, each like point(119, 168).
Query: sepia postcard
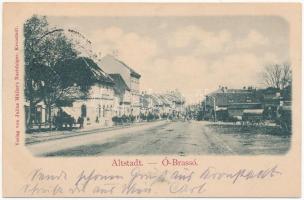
point(151, 100)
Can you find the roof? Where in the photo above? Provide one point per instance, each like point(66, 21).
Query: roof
point(244, 106)
point(164, 100)
point(253, 111)
point(109, 59)
point(133, 73)
point(270, 90)
point(230, 96)
point(72, 93)
point(226, 90)
point(161, 99)
point(119, 82)
point(220, 108)
point(156, 100)
point(120, 86)
point(174, 96)
point(85, 72)
point(96, 70)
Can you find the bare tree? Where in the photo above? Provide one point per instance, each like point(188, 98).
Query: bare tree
point(286, 75)
point(277, 76)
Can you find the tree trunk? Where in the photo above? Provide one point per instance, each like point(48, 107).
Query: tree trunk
point(45, 116)
point(29, 116)
point(50, 115)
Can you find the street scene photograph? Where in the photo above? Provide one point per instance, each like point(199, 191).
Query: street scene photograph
point(165, 85)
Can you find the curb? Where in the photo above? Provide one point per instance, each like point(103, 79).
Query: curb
point(91, 131)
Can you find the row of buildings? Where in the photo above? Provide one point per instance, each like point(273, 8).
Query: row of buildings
point(225, 104)
point(166, 104)
point(117, 93)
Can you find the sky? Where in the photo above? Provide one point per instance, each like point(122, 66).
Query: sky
point(192, 54)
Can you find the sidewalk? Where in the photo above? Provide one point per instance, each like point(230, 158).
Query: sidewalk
point(37, 137)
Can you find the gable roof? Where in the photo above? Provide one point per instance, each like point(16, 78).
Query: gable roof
point(96, 70)
point(111, 59)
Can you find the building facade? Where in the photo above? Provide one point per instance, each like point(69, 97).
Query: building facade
point(112, 65)
point(163, 104)
point(97, 108)
point(225, 103)
point(122, 96)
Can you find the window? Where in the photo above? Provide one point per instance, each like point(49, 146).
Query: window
point(99, 110)
point(248, 99)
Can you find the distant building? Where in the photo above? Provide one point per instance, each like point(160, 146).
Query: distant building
point(238, 109)
point(271, 99)
point(177, 101)
point(148, 104)
point(166, 105)
point(225, 103)
point(163, 104)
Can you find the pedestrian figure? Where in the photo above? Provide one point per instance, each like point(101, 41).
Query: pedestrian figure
point(80, 121)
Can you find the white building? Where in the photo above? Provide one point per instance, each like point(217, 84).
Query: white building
point(112, 65)
point(97, 107)
point(122, 96)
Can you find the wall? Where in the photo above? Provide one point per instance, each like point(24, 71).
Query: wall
point(135, 96)
point(99, 106)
